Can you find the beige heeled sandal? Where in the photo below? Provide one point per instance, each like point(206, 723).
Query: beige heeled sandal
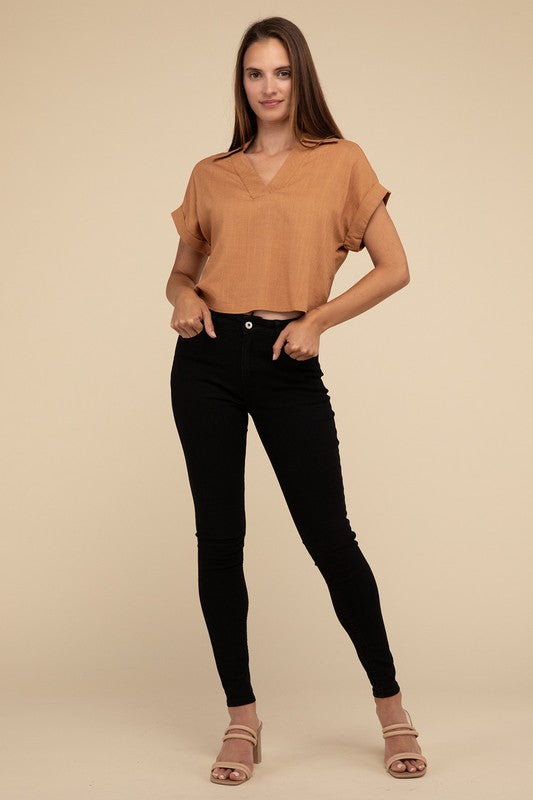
point(251, 736)
point(403, 729)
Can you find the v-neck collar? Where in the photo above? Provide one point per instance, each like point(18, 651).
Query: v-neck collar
point(250, 177)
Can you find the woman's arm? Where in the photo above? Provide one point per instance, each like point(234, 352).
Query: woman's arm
point(390, 274)
point(186, 271)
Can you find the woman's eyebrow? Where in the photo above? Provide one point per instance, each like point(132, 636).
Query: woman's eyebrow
point(287, 66)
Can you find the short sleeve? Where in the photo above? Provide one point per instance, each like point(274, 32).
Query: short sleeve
point(365, 193)
point(187, 220)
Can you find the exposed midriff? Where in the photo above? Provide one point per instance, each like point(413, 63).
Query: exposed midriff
point(266, 314)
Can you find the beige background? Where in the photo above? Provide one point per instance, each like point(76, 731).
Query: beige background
point(110, 688)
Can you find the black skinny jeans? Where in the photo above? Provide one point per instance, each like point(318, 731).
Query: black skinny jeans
point(215, 384)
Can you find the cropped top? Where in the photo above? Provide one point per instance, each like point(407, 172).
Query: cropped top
point(278, 245)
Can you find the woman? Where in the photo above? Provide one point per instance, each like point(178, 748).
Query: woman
point(276, 214)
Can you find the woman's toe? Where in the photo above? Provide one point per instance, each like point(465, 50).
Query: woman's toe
point(398, 766)
point(219, 773)
point(236, 775)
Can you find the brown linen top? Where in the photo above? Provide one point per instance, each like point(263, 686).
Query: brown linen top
point(277, 245)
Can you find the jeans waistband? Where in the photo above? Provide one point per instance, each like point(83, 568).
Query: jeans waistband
point(239, 319)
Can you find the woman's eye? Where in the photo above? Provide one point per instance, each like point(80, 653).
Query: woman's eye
point(283, 72)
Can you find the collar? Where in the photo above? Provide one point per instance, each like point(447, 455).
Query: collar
point(244, 147)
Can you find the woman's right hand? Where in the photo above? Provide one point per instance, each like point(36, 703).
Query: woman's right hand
point(191, 314)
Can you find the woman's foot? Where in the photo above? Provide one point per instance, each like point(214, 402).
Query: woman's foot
point(238, 749)
point(390, 711)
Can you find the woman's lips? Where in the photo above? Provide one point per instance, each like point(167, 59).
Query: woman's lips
point(270, 103)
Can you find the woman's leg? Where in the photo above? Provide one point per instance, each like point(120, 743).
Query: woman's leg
point(293, 416)
point(212, 425)
point(295, 421)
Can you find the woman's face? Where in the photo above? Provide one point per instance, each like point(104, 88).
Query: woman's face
point(267, 77)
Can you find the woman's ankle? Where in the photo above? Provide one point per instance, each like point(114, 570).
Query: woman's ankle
point(388, 705)
point(392, 700)
point(243, 712)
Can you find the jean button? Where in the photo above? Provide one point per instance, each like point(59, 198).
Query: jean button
point(248, 324)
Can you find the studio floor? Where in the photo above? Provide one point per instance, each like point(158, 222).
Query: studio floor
point(139, 745)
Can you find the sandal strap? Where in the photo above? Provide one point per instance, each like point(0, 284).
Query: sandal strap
point(251, 736)
point(241, 727)
point(233, 765)
point(400, 756)
point(399, 729)
point(246, 736)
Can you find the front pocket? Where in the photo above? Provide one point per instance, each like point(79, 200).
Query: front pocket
point(299, 361)
point(191, 338)
point(305, 366)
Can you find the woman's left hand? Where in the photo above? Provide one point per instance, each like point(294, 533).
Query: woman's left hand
point(300, 338)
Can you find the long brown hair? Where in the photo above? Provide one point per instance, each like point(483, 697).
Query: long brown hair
point(309, 115)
